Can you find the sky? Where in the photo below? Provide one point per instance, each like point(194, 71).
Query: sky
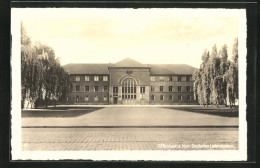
point(146, 37)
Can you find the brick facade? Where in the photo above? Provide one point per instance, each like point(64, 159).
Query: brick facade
point(131, 83)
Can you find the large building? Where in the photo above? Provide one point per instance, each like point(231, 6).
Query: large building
point(131, 82)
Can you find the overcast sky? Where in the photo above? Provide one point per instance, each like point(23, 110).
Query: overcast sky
point(152, 39)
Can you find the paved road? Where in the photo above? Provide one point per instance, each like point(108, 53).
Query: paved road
point(53, 139)
point(132, 116)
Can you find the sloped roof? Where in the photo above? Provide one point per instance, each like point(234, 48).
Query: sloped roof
point(128, 62)
point(156, 69)
point(164, 69)
point(87, 68)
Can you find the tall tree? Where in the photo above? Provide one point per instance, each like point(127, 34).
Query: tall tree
point(223, 68)
point(29, 70)
point(216, 81)
point(231, 76)
point(214, 65)
point(43, 78)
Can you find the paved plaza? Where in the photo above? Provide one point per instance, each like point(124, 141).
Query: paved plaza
point(127, 116)
point(129, 128)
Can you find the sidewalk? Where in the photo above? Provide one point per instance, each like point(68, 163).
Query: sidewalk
point(134, 116)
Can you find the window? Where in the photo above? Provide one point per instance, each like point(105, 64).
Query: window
point(105, 88)
point(188, 97)
point(170, 88)
point(96, 78)
point(86, 98)
point(115, 89)
point(179, 78)
point(77, 78)
point(96, 89)
point(152, 78)
point(105, 98)
point(161, 97)
point(161, 78)
point(188, 88)
point(86, 78)
point(170, 78)
point(170, 97)
point(179, 97)
point(152, 88)
point(129, 88)
point(86, 88)
point(179, 88)
point(188, 78)
point(77, 88)
point(161, 88)
point(105, 78)
point(96, 98)
point(152, 97)
point(142, 89)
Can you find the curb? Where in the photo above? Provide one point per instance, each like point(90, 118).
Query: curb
point(165, 126)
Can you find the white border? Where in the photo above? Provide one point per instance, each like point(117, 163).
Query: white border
point(218, 155)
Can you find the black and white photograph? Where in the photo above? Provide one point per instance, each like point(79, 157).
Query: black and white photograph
point(128, 84)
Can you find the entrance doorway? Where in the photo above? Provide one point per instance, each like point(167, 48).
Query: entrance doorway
point(129, 91)
point(115, 100)
point(77, 99)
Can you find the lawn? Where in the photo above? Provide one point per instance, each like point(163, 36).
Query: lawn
point(59, 111)
point(211, 110)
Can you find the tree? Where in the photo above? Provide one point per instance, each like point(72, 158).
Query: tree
point(213, 73)
point(231, 76)
point(223, 69)
point(43, 78)
point(216, 81)
point(29, 70)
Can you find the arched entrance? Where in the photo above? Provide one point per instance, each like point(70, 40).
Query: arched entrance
point(129, 91)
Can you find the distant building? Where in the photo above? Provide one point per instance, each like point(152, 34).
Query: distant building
point(131, 82)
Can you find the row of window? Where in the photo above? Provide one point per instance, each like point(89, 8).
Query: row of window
point(96, 88)
point(96, 78)
point(170, 88)
point(169, 78)
point(161, 78)
point(180, 97)
point(132, 89)
point(171, 97)
point(128, 96)
point(96, 98)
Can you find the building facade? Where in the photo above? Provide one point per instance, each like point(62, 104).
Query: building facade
point(130, 82)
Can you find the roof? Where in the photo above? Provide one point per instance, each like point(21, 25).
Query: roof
point(129, 63)
point(155, 69)
point(87, 68)
point(164, 69)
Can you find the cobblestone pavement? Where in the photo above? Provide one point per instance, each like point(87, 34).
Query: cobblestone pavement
point(64, 139)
